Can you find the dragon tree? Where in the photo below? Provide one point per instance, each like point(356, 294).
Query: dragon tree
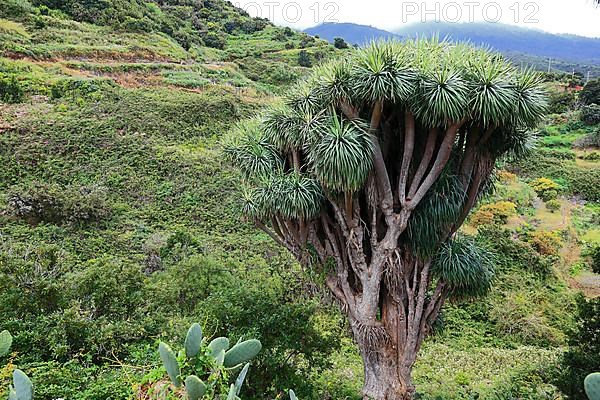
point(367, 170)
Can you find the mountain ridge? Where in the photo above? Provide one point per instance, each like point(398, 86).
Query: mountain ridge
point(567, 52)
point(352, 33)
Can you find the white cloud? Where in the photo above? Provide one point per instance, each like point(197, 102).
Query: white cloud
point(580, 17)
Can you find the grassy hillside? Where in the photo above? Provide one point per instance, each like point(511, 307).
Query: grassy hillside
point(119, 220)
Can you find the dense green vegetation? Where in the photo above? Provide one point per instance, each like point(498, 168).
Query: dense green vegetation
point(119, 225)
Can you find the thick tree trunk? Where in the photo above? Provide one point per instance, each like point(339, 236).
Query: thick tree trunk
point(385, 377)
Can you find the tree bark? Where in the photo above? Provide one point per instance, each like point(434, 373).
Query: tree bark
point(385, 379)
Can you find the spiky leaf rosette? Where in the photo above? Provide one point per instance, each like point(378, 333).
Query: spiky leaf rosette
point(342, 158)
point(303, 97)
point(531, 104)
point(464, 266)
point(441, 207)
point(442, 98)
point(292, 129)
point(383, 72)
point(332, 82)
point(250, 150)
point(290, 195)
point(493, 96)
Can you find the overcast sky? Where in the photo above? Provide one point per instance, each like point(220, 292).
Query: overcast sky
point(580, 17)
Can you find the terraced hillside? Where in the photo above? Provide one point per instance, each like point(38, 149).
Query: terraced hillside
point(120, 225)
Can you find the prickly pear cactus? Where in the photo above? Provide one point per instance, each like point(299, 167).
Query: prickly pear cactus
point(5, 343)
point(220, 358)
point(193, 341)
point(293, 395)
point(22, 385)
point(232, 395)
point(240, 379)
point(592, 386)
point(241, 353)
point(170, 362)
point(218, 344)
point(194, 387)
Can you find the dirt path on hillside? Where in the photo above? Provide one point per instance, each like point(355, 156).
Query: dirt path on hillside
point(570, 254)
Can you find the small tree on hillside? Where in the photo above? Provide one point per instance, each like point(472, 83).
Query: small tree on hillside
point(591, 92)
point(368, 170)
point(304, 59)
point(340, 43)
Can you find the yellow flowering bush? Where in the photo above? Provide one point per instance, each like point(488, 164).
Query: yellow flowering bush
point(546, 243)
point(494, 213)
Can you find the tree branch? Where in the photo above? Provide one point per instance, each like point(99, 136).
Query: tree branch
point(269, 232)
point(438, 166)
point(385, 188)
point(407, 154)
point(424, 165)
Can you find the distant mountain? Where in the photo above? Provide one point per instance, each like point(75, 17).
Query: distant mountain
point(514, 39)
point(352, 33)
point(521, 45)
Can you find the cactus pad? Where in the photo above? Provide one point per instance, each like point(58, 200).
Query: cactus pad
point(5, 343)
point(170, 362)
point(218, 344)
point(194, 387)
point(592, 386)
point(240, 379)
point(22, 385)
point(241, 353)
point(193, 341)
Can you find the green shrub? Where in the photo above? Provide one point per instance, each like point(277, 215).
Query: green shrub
point(581, 358)
point(519, 315)
point(11, 90)
point(553, 205)
point(576, 180)
point(590, 114)
point(561, 102)
point(75, 87)
point(304, 59)
point(52, 203)
point(340, 43)
point(591, 92)
point(593, 253)
point(543, 185)
point(77, 380)
point(561, 154)
point(546, 243)
point(498, 213)
point(15, 9)
point(513, 253)
point(585, 182)
point(593, 156)
point(215, 40)
point(549, 195)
